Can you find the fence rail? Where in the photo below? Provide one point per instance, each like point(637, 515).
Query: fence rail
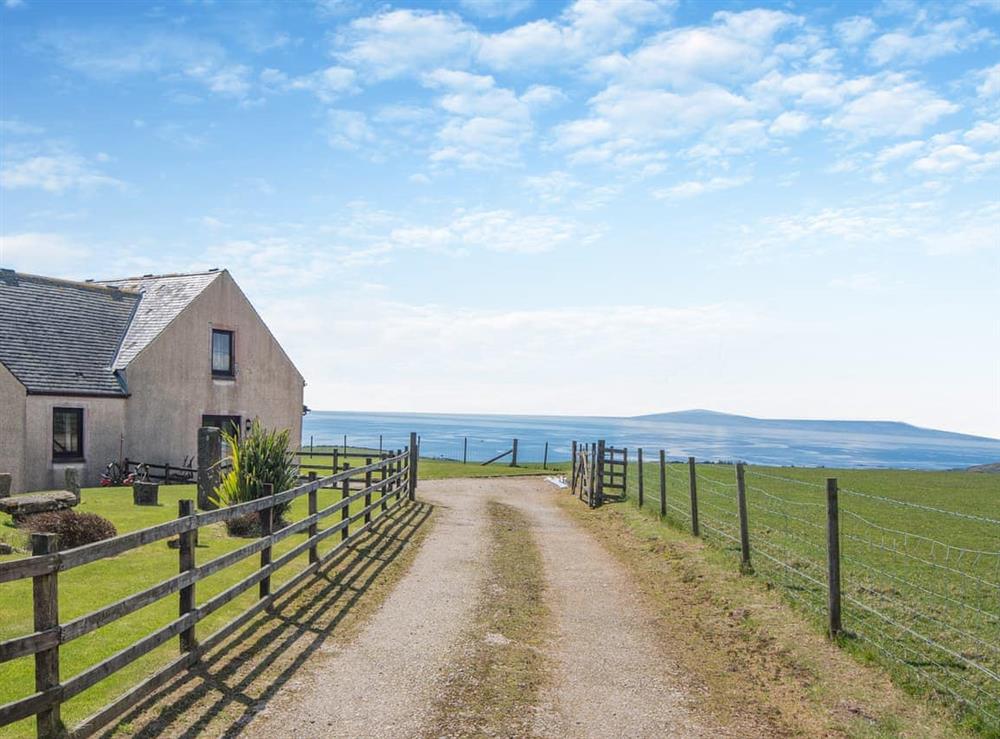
point(396, 485)
point(915, 586)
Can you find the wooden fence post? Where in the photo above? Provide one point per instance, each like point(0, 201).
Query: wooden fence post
point(345, 445)
point(572, 469)
point(266, 527)
point(663, 483)
point(693, 482)
point(380, 443)
point(624, 473)
point(187, 541)
point(592, 483)
point(545, 457)
point(641, 484)
point(833, 555)
point(345, 512)
point(599, 493)
point(513, 456)
point(741, 495)
point(398, 485)
point(45, 592)
point(465, 450)
point(413, 462)
point(384, 490)
point(368, 495)
point(336, 461)
point(313, 528)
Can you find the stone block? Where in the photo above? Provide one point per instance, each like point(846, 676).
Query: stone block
point(146, 493)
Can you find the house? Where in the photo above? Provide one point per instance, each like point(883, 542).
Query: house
point(93, 371)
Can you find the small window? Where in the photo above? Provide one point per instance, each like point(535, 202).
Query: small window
point(67, 433)
point(222, 353)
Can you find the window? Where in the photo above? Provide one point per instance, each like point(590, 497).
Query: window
point(67, 433)
point(222, 353)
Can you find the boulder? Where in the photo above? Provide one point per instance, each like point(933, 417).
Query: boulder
point(28, 503)
point(6, 548)
point(145, 493)
point(5, 479)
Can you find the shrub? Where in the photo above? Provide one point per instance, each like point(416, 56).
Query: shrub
point(258, 458)
point(247, 525)
point(73, 529)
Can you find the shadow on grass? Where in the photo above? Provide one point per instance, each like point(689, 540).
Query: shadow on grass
point(233, 683)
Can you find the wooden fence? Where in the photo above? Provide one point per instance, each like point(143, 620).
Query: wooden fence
point(596, 469)
point(396, 484)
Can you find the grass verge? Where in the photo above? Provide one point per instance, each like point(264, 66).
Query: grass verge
point(753, 654)
point(495, 683)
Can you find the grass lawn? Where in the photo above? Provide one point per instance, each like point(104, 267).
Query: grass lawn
point(921, 588)
point(87, 588)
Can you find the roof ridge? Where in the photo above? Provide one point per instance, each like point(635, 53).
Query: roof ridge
point(168, 275)
point(87, 285)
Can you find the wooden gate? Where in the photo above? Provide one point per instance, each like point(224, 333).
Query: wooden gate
point(598, 470)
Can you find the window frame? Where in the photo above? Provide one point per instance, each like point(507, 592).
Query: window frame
point(231, 372)
point(74, 456)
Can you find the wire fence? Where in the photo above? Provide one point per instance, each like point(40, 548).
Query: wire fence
point(919, 585)
point(468, 449)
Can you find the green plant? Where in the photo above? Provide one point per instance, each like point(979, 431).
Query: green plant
point(259, 458)
point(73, 529)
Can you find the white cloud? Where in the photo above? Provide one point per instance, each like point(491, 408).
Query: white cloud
point(348, 129)
point(790, 123)
point(54, 172)
point(852, 31)
point(984, 132)
point(327, 84)
point(393, 43)
point(493, 230)
point(42, 253)
point(106, 56)
point(989, 82)
point(946, 159)
point(889, 105)
point(948, 37)
point(584, 29)
point(15, 127)
point(12, 4)
point(693, 188)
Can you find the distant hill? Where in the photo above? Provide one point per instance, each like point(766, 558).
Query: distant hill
point(882, 428)
point(995, 468)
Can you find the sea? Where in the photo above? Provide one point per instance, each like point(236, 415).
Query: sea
point(712, 437)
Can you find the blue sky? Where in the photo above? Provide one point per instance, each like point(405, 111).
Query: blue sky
point(778, 209)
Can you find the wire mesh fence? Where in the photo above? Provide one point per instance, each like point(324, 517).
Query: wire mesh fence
point(468, 449)
point(919, 584)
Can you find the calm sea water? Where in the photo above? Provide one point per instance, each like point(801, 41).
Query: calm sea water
point(442, 436)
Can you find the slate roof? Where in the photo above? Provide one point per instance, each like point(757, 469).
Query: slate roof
point(60, 336)
point(163, 298)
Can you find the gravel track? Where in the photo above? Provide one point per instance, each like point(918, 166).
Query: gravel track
point(610, 677)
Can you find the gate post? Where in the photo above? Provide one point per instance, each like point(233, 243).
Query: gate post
point(572, 474)
point(600, 472)
point(209, 457)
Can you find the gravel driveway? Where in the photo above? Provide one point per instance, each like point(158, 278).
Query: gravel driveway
point(609, 678)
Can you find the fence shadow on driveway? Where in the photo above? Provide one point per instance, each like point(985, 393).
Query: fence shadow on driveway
point(222, 693)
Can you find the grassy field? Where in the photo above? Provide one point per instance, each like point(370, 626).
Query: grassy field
point(100, 583)
point(920, 555)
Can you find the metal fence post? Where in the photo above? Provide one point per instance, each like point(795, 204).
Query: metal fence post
point(513, 456)
point(663, 483)
point(741, 495)
point(639, 462)
point(693, 481)
point(45, 592)
point(833, 555)
point(314, 527)
point(187, 541)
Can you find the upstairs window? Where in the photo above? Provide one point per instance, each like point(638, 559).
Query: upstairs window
point(222, 353)
point(67, 433)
